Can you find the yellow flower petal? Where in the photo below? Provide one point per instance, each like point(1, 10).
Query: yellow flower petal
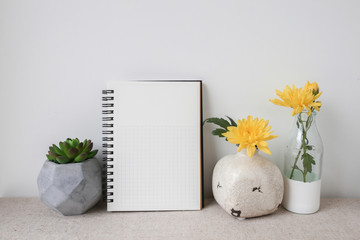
point(270, 137)
point(241, 147)
point(250, 150)
point(265, 150)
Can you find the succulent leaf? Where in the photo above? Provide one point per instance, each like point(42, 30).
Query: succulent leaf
point(62, 159)
point(80, 147)
point(81, 157)
point(57, 150)
point(51, 149)
point(88, 147)
point(69, 141)
point(92, 154)
point(88, 143)
point(53, 155)
point(75, 142)
point(72, 153)
point(50, 158)
point(65, 147)
point(85, 143)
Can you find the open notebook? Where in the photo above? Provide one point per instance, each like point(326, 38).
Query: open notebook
point(153, 135)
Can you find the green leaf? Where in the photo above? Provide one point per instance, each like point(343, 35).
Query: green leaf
point(309, 147)
point(50, 158)
point(69, 141)
point(308, 161)
point(62, 159)
point(51, 149)
point(75, 142)
point(80, 147)
point(88, 147)
point(62, 146)
point(65, 147)
point(92, 154)
point(58, 150)
point(72, 153)
point(81, 157)
point(233, 123)
point(52, 154)
point(219, 121)
point(218, 132)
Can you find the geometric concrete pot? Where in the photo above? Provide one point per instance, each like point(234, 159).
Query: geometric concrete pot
point(246, 186)
point(71, 188)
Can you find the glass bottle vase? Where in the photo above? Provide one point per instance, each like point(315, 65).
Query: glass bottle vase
point(303, 165)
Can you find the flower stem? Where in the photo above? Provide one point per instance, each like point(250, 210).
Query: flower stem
point(302, 148)
point(298, 155)
point(293, 168)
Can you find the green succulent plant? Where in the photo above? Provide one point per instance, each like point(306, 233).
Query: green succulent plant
point(71, 151)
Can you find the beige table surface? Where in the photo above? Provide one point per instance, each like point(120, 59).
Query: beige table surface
point(28, 218)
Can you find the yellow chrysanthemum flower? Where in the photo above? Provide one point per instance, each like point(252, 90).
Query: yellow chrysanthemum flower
point(250, 134)
point(299, 98)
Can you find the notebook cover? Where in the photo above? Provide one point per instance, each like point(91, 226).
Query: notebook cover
point(157, 146)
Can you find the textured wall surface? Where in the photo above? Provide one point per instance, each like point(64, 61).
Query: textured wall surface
point(56, 56)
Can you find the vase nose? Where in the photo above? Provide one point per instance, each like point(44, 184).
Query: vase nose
point(243, 152)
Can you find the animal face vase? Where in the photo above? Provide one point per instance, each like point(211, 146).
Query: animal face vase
point(246, 186)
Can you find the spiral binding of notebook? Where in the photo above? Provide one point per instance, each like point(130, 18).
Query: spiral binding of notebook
point(108, 124)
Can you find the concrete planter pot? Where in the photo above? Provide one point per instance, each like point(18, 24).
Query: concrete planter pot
point(72, 188)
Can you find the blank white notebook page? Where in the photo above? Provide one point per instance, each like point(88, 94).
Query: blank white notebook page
point(157, 146)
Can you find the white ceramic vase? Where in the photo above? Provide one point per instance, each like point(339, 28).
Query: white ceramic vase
point(247, 186)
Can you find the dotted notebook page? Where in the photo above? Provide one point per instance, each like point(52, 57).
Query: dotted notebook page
point(157, 146)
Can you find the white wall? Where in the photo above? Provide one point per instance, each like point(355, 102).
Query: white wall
point(56, 56)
